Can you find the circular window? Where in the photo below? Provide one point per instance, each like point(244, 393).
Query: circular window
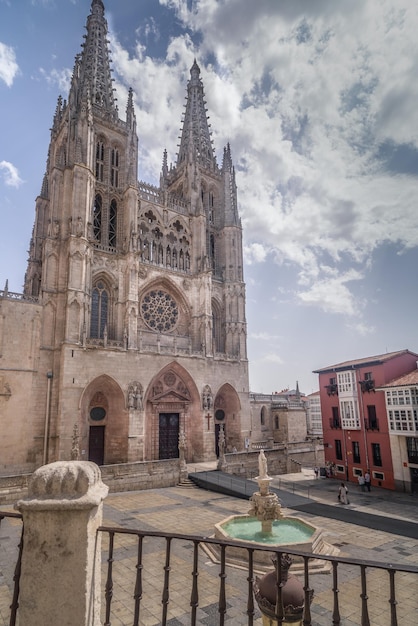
point(97, 413)
point(220, 415)
point(159, 311)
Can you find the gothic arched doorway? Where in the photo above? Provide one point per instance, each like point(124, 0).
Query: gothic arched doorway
point(227, 414)
point(172, 406)
point(104, 428)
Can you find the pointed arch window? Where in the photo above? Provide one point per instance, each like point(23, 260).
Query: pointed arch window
point(97, 217)
point(99, 161)
point(217, 330)
point(113, 215)
point(99, 311)
point(212, 250)
point(114, 169)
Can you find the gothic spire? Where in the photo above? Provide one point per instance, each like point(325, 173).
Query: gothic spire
point(92, 74)
point(195, 137)
point(230, 187)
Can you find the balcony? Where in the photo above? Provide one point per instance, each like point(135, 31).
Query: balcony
point(332, 390)
point(371, 424)
point(334, 422)
point(367, 385)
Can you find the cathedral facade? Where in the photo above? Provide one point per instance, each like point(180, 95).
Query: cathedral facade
point(131, 330)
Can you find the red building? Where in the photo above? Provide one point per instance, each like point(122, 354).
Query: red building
point(355, 424)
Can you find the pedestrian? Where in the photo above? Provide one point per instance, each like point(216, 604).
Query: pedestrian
point(316, 471)
point(367, 480)
point(362, 482)
point(343, 494)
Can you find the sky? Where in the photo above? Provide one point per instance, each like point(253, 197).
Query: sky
point(318, 101)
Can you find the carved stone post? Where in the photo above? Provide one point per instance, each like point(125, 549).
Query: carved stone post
point(60, 578)
point(222, 464)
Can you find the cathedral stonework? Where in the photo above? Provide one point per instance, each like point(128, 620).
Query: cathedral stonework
point(131, 329)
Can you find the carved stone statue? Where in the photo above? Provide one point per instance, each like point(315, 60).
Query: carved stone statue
point(138, 398)
point(262, 465)
point(207, 398)
point(134, 397)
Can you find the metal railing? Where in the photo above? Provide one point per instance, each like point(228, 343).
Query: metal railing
point(167, 553)
point(157, 571)
point(17, 570)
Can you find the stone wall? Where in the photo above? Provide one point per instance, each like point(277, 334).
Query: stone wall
point(245, 464)
point(141, 475)
point(122, 477)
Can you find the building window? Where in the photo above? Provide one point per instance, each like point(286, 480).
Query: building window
point(113, 215)
point(349, 412)
point(371, 423)
point(335, 420)
point(403, 420)
point(99, 161)
point(412, 448)
point(97, 218)
point(114, 168)
point(377, 457)
point(217, 330)
point(356, 452)
point(263, 416)
point(276, 422)
point(160, 311)
point(99, 311)
point(212, 251)
point(346, 382)
point(338, 450)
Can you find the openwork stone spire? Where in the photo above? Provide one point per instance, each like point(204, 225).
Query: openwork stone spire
point(195, 137)
point(92, 75)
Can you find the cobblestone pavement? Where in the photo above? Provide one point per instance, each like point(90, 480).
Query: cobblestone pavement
point(195, 511)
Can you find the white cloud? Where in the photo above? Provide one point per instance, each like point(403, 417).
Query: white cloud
point(271, 358)
point(264, 336)
point(61, 78)
point(332, 295)
point(8, 64)
point(316, 99)
point(10, 174)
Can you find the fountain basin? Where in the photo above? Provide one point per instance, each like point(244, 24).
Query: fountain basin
point(285, 530)
point(297, 534)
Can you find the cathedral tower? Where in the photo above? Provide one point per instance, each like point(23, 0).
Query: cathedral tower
point(143, 327)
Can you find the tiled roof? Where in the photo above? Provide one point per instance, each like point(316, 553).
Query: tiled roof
point(403, 381)
point(370, 360)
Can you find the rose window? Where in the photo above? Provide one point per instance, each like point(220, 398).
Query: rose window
point(159, 311)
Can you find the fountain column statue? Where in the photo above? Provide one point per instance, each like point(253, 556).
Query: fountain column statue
point(265, 505)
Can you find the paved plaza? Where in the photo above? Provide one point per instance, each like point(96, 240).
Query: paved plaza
point(195, 511)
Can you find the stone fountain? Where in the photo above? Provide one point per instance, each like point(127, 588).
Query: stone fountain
point(266, 524)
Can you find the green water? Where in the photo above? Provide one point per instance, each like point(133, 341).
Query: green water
point(283, 531)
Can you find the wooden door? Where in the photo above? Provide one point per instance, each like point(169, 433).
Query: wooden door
point(96, 444)
point(168, 436)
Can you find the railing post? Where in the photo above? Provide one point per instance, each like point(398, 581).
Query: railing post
point(60, 576)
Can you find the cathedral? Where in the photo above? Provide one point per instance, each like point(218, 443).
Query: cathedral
point(131, 331)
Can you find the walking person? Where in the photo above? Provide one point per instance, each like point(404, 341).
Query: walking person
point(343, 494)
point(362, 482)
point(367, 480)
point(316, 471)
